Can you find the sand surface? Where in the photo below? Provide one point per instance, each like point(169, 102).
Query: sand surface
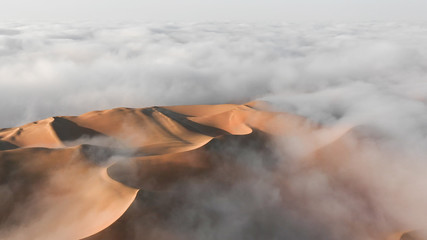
point(73, 177)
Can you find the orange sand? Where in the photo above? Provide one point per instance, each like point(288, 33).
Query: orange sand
point(71, 177)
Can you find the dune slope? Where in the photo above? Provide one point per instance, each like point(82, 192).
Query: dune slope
point(70, 177)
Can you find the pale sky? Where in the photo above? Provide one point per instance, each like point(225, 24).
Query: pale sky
point(215, 10)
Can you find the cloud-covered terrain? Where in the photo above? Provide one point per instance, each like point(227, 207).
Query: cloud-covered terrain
point(372, 75)
point(65, 69)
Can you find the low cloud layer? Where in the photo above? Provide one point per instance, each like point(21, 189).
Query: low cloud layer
point(67, 69)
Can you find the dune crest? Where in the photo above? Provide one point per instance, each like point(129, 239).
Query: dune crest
point(55, 170)
point(71, 177)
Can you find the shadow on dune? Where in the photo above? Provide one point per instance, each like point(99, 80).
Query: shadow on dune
point(188, 124)
point(67, 130)
point(4, 145)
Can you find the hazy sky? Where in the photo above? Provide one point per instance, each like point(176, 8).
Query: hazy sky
point(216, 10)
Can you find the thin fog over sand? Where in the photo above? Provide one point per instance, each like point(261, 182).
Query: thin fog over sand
point(292, 131)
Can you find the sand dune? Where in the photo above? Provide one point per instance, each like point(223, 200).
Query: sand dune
point(57, 194)
point(70, 177)
point(55, 170)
